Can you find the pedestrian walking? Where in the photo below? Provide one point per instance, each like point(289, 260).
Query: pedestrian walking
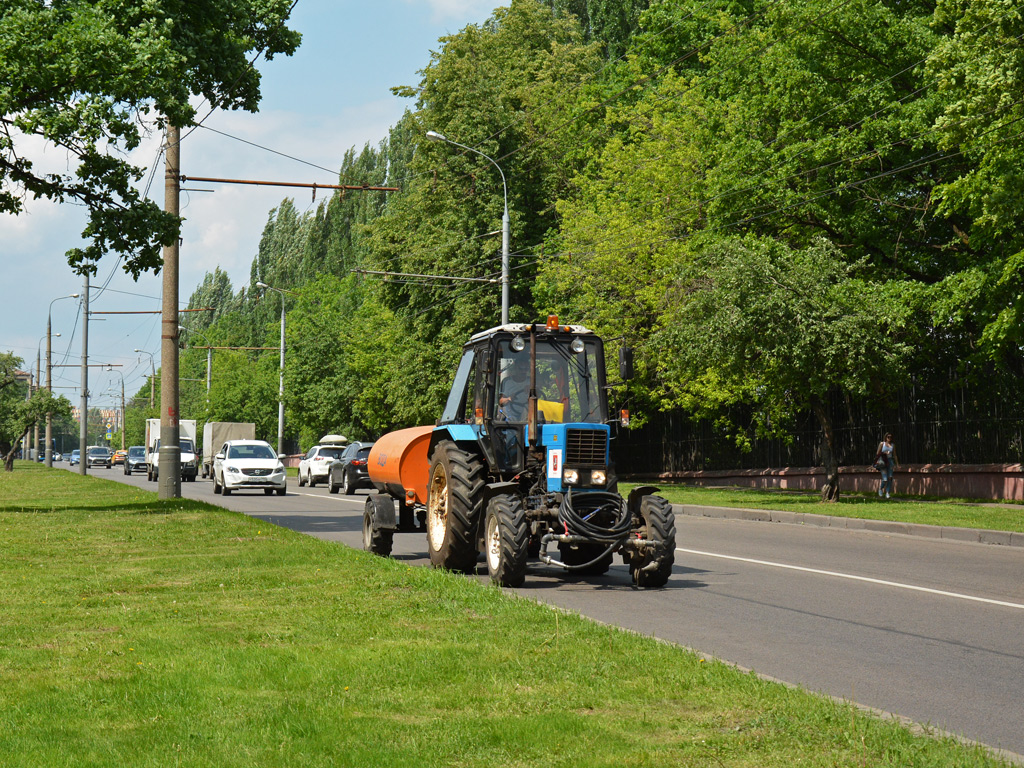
point(886, 462)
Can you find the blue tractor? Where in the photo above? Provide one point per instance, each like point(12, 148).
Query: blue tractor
point(519, 464)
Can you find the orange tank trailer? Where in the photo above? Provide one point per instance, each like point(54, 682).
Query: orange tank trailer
point(399, 466)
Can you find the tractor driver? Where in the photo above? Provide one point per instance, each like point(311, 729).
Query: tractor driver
point(514, 393)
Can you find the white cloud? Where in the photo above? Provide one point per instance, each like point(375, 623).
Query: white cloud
point(457, 10)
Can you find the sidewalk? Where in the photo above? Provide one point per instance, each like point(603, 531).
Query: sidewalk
point(974, 535)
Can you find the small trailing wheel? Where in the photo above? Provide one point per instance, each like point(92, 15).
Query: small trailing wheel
point(652, 569)
point(506, 540)
point(454, 501)
point(376, 539)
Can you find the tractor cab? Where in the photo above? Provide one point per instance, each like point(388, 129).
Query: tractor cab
point(533, 397)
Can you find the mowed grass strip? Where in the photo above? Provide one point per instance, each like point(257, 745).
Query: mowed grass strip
point(959, 513)
point(138, 632)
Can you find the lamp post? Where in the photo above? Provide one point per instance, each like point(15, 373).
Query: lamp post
point(280, 391)
point(110, 368)
point(152, 375)
point(49, 380)
point(435, 136)
point(39, 383)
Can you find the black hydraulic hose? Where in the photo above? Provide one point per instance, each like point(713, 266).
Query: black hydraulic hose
point(577, 514)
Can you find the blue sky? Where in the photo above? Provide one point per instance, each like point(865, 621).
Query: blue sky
point(331, 95)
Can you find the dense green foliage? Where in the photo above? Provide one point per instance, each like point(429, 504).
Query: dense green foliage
point(772, 202)
point(87, 75)
point(19, 411)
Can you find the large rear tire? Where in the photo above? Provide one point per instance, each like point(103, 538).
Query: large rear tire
point(454, 501)
point(658, 523)
point(506, 539)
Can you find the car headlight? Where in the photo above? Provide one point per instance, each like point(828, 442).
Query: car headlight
point(232, 470)
point(598, 477)
point(279, 469)
point(570, 476)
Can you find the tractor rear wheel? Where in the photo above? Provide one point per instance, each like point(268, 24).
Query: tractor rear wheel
point(454, 500)
point(658, 524)
point(506, 536)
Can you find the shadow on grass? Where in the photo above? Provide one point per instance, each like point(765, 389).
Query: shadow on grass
point(157, 507)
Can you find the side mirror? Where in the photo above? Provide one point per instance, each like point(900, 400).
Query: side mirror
point(219, 457)
point(625, 363)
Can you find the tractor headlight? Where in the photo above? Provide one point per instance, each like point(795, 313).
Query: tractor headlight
point(570, 476)
point(598, 477)
point(576, 345)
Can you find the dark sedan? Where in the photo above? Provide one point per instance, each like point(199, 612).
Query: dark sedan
point(349, 472)
point(136, 459)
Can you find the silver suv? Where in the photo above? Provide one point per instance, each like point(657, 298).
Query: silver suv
point(99, 457)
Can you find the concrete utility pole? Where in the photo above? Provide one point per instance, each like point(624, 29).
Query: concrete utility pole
point(83, 421)
point(169, 474)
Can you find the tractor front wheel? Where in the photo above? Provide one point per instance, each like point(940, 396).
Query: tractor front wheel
point(658, 524)
point(506, 537)
point(454, 499)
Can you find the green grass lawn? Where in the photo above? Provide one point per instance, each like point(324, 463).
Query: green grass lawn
point(138, 632)
point(960, 513)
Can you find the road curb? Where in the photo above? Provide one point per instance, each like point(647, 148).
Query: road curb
point(972, 535)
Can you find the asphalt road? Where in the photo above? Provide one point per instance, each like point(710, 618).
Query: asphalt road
point(930, 630)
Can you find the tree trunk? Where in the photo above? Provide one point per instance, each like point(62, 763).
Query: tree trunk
point(9, 459)
point(830, 490)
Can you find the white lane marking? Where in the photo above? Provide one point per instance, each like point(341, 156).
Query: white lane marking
point(850, 576)
point(333, 497)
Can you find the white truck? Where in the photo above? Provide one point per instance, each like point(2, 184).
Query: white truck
point(216, 433)
point(186, 442)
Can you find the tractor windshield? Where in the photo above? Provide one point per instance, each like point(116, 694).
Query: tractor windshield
point(568, 382)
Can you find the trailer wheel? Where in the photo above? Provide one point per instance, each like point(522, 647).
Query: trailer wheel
point(376, 540)
point(454, 499)
point(506, 539)
point(658, 524)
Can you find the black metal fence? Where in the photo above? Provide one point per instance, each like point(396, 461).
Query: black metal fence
point(953, 426)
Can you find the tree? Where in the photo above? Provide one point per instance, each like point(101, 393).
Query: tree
point(778, 329)
point(86, 76)
point(17, 414)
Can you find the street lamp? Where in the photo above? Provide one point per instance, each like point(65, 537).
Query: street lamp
point(152, 375)
point(280, 391)
point(110, 368)
point(39, 384)
point(49, 381)
point(435, 136)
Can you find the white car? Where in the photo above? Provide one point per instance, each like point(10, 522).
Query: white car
point(315, 466)
point(248, 465)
